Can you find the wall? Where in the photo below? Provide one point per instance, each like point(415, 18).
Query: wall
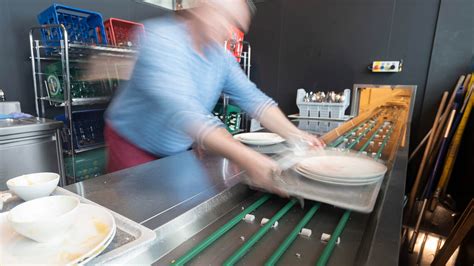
point(323, 44)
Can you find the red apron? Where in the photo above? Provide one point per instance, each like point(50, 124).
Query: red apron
point(121, 153)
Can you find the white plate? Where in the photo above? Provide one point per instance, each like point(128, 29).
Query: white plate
point(259, 138)
point(256, 136)
point(338, 182)
point(336, 179)
point(343, 165)
point(339, 179)
point(91, 233)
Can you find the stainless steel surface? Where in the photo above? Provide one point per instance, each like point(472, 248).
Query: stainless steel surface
point(78, 101)
point(150, 193)
point(25, 125)
point(130, 237)
point(27, 146)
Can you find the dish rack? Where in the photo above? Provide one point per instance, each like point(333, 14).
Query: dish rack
point(319, 127)
point(323, 109)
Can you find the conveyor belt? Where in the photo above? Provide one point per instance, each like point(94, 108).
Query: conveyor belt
point(374, 132)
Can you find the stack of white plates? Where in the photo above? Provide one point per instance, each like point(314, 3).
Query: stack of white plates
point(259, 138)
point(91, 233)
point(341, 168)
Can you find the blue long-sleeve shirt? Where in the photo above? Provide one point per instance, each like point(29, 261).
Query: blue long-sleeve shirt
point(167, 103)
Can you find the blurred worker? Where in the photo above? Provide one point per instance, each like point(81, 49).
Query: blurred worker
point(180, 73)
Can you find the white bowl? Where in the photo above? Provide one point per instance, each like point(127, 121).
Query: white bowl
point(33, 186)
point(45, 219)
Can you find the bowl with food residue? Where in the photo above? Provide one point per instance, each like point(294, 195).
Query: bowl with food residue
point(33, 186)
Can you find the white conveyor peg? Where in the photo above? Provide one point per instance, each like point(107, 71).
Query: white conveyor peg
point(265, 220)
point(306, 232)
point(249, 218)
point(325, 238)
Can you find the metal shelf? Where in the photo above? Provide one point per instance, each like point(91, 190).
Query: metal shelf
point(89, 148)
point(78, 101)
point(65, 52)
point(82, 50)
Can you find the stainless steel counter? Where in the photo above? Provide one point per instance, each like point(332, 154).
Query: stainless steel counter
point(29, 145)
point(182, 195)
point(157, 192)
point(34, 124)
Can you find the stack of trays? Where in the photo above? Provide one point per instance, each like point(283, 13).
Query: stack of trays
point(341, 168)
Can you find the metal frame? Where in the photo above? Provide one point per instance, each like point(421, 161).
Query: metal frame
point(63, 52)
point(245, 57)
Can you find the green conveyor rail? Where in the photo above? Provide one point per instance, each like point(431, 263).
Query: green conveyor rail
point(384, 143)
point(327, 252)
point(323, 259)
point(341, 138)
point(220, 232)
point(370, 139)
point(292, 236)
point(360, 137)
point(234, 258)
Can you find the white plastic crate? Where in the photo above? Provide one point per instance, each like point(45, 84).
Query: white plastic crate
point(322, 110)
point(317, 126)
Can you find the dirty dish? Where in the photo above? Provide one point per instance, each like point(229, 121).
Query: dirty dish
point(91, 233)
point(45, 219)
point(33, 186)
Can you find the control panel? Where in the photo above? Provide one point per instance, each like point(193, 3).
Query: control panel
point(386, 66)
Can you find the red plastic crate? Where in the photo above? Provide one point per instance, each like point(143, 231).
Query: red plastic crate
point(235, 42)
point(123, 32)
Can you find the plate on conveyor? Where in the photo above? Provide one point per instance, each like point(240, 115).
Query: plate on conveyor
point(90, 234)
point(352, 192)
point(338, 181)
point(259, 138)
point(341, 168)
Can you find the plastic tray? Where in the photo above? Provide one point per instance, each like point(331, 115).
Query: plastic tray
point(130, 239)
point(356, 198)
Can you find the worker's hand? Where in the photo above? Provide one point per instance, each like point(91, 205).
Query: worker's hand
point(262, 172)
point(313, 141)
point(306, 139)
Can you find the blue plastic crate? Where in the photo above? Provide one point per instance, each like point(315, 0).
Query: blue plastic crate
point(83, 26)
